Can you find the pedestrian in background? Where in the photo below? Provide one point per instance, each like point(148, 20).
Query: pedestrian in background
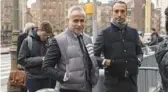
point(21, 37)
point(155, 37)
point(51, 36)
point(32, 58)
point(161, 56)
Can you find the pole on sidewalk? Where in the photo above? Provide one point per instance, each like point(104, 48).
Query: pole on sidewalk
point(15, 33)
point(91, 12)
point(94, 21)
point(148, 16)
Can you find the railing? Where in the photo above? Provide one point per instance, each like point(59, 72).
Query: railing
point(148, 79)
point(147, 49)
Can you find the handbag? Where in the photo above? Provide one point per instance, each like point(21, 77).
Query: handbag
point(17, 78)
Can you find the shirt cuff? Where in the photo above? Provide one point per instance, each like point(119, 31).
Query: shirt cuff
point(66, 77)
point(43, 58)
point(103, 63)
point(139, 60)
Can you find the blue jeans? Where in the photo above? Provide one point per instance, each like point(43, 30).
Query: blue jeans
point(36, 84)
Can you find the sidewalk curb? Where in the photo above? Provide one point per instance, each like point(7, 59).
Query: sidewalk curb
point(5, 52)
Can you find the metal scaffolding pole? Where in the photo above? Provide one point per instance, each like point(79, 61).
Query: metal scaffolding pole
point(23, 13)
point(15, 14)
point(148, 16)
point(94, 21)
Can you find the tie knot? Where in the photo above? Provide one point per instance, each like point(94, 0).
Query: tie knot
point(79, 36)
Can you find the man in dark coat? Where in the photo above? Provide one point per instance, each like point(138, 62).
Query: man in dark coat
point(31, 59)
point(122, 52)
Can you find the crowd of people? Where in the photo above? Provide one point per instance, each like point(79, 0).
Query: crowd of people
point(71, 58)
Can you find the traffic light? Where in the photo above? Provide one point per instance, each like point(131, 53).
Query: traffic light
point(89, 9)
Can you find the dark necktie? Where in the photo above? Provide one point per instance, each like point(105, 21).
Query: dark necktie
point(81, 43)
point(86, 56)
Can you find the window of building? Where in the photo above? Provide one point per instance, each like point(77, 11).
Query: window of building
point(44, 10)
point(54, 5)
point(7, 27)
point(66, 4)
point(44, 15)
point(54, 17)
point(54, 27)
point(2, 27)
point(44, 4)
point(50, 11)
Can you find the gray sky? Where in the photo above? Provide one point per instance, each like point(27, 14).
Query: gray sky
point(29, 2)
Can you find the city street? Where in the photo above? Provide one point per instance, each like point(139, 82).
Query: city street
point(5, 70)
point(138, 24)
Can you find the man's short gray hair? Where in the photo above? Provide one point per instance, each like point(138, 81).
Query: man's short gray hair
point(75, 8)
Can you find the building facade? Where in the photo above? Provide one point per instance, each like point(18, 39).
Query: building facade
point(6, 21)
point(163, 5)
point(54, 11)
point(6, 14)
point(103, 15)
point(156, 19)
point(10, 8)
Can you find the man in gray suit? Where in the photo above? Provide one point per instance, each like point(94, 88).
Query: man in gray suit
point(72, 53)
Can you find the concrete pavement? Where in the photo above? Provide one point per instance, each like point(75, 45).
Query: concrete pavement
point(4, 50)
point(4, 88)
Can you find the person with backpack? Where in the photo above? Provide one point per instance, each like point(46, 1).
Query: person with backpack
point(20, 39)
point(161, 56)
point(23, 35)
point(31, 56)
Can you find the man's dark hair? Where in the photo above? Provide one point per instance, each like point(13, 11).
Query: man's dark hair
point(120, 2)
point(46, 26)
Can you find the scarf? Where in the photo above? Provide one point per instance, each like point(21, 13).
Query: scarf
point(119, 24)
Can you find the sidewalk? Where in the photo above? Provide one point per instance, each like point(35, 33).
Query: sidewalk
point(4, 88)
point(4, 50)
